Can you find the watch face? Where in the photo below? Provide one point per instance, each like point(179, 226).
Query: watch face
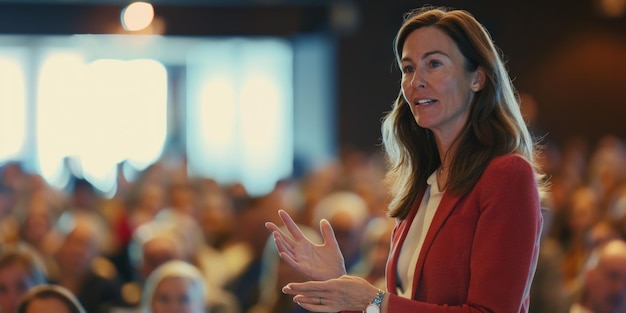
point(372, 308)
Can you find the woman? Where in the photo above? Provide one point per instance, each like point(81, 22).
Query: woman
point(175, 287)
point(465, 189)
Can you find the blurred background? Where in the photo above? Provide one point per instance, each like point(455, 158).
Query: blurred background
point(226, 110)
point(298, 80)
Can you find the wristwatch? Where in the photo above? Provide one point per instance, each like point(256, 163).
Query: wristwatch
point(374, 306)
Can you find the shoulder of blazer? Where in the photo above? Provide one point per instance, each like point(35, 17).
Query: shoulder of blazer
point(508, 165)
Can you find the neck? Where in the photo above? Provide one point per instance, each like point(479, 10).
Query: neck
point(442, 178)
point(443, 170)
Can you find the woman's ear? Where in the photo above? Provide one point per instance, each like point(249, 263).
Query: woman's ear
point(479, 79)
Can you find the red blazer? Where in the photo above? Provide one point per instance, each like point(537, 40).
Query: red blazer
point(481, 249)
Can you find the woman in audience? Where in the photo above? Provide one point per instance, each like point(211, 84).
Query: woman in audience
point(175, 287)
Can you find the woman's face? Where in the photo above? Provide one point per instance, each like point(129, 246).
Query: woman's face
point(177, 295)
point(435, 82)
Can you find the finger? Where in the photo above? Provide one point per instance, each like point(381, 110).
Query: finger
point(314, 303)
point(311, 300)
point(277, 232)
point(272, 227)
point(291, 225)
point(328, 234)
point(309, 288)
point(282, 246)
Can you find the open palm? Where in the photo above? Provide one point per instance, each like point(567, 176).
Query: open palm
point(317, 261)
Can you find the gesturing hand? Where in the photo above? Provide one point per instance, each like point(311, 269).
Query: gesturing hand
point(317, 261)
point(346, 293)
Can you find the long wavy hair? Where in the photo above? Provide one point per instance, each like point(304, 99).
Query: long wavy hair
point(495, 125)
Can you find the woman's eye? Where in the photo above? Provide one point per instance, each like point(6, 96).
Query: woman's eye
point(434, 63)
point(408, 69)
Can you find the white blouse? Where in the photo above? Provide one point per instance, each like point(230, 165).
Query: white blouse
point(415, 238)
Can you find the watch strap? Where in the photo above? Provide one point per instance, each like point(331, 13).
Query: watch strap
point(378, 300)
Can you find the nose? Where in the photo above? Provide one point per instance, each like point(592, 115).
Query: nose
point(417, 82)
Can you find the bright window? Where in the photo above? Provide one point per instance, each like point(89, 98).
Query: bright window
point(237, 109)
point(240, 112)
point(99, 114)
point(12, 102)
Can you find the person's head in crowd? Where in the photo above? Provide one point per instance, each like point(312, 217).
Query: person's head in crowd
point(83, 194)
point(583, 210)
point(601, 232)
point(348, 213)
point(180, 195)
point(82, 241)
point(145, 200)
point(50, 299)
point(12, 175)
point(175, 287)
point(604, 281)
point(217, 217)
point(152, 245)
point(36, 223)
point(20, 270)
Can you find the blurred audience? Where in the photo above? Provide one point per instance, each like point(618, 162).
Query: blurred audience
point(103, 248)
point(348, 213)
point(375, 247)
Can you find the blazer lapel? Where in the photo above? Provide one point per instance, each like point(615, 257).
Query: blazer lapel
point(399, 235)
point(446, 206)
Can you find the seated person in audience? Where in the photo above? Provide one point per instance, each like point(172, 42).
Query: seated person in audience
point(175, 287)
point(154, 244)
point(20, 270)
point(49, 299)
point(349, 213)
point(375, 247)
point(35, 228)
point(82, 268)
point(604, 281)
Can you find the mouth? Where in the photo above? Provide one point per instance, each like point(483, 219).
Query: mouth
point(425, 101)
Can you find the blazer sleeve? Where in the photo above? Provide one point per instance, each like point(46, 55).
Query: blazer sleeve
point(505, 246)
